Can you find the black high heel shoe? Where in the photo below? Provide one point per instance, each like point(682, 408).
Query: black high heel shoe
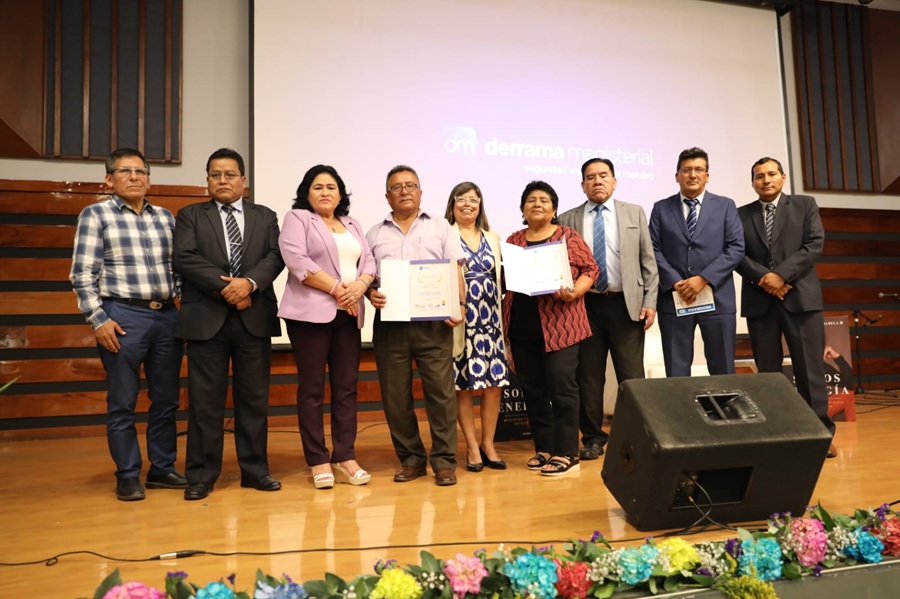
point(474, 467)
point(492, 464)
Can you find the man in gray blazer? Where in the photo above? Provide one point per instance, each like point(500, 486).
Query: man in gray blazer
point(623, 304)
point(226, 250)
point(781, 294)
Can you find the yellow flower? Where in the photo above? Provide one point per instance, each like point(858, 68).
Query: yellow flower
point(396, 584)
point(682, 555)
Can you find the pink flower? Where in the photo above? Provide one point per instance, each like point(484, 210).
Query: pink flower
point(573, 580)
point(464, 574)
point(133, 590)
point(808, 540)
point(889, 533)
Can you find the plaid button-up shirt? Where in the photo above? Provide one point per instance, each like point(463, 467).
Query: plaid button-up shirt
point(119, 253)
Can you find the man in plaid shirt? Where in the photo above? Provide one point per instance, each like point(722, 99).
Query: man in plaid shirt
point(123, 278)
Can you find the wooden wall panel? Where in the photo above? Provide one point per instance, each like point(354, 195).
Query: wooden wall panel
point(847, 78)
point(35, 269)
point(110, 74)
point(19, 303)
point(37, 236)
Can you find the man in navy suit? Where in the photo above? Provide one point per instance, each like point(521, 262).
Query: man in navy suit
point(226, 250)
point(698, 242)
point(781, 294)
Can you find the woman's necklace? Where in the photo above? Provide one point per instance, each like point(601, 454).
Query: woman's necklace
point(472, 237)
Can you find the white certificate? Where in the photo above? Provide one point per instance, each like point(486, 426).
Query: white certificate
point(537, 269)
point(419, 290)
point(703, 303)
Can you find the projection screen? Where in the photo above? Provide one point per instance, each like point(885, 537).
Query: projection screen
point(502, 92)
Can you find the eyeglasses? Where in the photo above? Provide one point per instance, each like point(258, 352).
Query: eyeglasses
point(688, 170)
point(216, 175)
point(400, 186)
point(466, 200)
point(129, 172)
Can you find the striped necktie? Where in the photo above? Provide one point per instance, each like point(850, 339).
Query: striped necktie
point(692, 216)
point(235, 243)
point(770, 221)
point(600, 248)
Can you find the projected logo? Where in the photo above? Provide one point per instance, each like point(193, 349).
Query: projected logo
point(461, 140)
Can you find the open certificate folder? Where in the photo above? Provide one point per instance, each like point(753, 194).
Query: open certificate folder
point(420, 290)
point(703, 303)
point(537, 269)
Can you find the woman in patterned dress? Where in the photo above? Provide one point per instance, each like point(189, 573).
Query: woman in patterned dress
point(479, 362)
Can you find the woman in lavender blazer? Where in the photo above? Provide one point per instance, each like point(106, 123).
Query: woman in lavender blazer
point(330, 267)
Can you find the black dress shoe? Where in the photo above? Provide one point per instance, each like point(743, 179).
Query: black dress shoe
point(262, 483)
point(198, 491)
point(591, 451)
point(129, 489)
point(492, 464)
point(474, 467)
point(170, 480)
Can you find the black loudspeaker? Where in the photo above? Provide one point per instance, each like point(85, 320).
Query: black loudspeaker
point(736, 447)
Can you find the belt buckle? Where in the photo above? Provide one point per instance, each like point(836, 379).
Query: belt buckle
point(155, 305)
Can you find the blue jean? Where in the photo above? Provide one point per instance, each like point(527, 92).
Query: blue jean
point(149, 340)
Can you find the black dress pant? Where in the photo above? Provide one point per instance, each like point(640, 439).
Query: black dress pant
point(550, 385)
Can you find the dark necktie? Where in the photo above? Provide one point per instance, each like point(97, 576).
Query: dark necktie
point(235, 243)
point(691, 221)
point(600, 248)
point(770, 221)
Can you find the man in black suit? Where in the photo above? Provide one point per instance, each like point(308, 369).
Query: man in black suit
point(781, 294)
point(226, 251)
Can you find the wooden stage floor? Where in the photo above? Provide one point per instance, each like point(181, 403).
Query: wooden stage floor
point(57, 496)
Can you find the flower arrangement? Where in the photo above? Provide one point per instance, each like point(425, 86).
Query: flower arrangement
point(741, 567)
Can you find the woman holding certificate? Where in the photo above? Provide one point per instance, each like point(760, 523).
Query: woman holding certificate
point(479, 361)
point(544, 331)
point(330, 267)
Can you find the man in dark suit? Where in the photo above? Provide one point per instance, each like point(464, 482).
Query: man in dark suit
point(781, 294)
point(622, 305)
point(699, 242)
point(226, 251)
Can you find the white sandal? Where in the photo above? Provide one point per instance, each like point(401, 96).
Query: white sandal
point(323, 481)
point(360, 478)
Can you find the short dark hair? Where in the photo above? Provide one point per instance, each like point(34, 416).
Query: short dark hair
point(481, 220)
point(123, 153)
point(691, 154)
point(546, 188)
point(400, 168)
point(762, 161)
point(302, 199)
point(605, 161)
point(226, 153)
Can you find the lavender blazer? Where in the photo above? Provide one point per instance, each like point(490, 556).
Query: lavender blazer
point(307, 246)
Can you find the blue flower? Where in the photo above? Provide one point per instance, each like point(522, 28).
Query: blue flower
point(761, 559)
point(287, 590)
point(215, 590)
point(865, 547)
point(636, 565)
point(532, 575)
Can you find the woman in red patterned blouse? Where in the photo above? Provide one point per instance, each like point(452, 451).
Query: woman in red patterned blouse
point(543, 333)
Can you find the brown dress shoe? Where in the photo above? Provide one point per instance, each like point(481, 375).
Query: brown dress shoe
point(444, 477)
point(408, 473)
point(832, 451)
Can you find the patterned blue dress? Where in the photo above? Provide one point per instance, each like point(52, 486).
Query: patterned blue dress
point(483, 361)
